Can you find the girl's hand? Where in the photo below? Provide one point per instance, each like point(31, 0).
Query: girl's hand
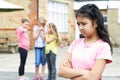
point(66, 60)
point(85, 72)
point(84, 77)
point(40, 29)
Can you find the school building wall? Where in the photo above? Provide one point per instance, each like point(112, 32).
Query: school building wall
point(12, 19)
point(70, 35)
point(114, 26)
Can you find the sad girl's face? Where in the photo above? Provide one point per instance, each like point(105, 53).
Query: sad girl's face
point(86, 27)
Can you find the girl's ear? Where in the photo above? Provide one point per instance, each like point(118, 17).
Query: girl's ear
point(95, 24)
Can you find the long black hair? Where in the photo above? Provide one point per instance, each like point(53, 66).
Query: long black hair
point(92, 12)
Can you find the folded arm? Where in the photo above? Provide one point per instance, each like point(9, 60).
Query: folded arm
point(66, 70)
point(95, 73)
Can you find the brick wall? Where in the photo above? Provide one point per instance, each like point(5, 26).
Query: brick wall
point(12, 19)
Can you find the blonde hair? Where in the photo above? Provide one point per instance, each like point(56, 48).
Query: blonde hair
point(41, 20)
point(54, 30)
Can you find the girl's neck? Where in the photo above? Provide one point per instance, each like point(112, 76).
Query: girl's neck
point(91, 39)
point(50, 33)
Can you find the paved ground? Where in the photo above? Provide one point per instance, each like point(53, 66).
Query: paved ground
point(9, 65)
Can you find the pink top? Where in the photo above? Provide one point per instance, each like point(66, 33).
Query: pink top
point(23, 40)
point(85, 55)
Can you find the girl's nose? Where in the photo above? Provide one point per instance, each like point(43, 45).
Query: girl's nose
point(80, 27)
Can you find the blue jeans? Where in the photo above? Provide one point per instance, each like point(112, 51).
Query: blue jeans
point(51, 61)
point(40, 56)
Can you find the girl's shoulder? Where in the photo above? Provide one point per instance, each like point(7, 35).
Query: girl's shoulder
point(20, 29)
point(101, 42)
point(77, 41)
